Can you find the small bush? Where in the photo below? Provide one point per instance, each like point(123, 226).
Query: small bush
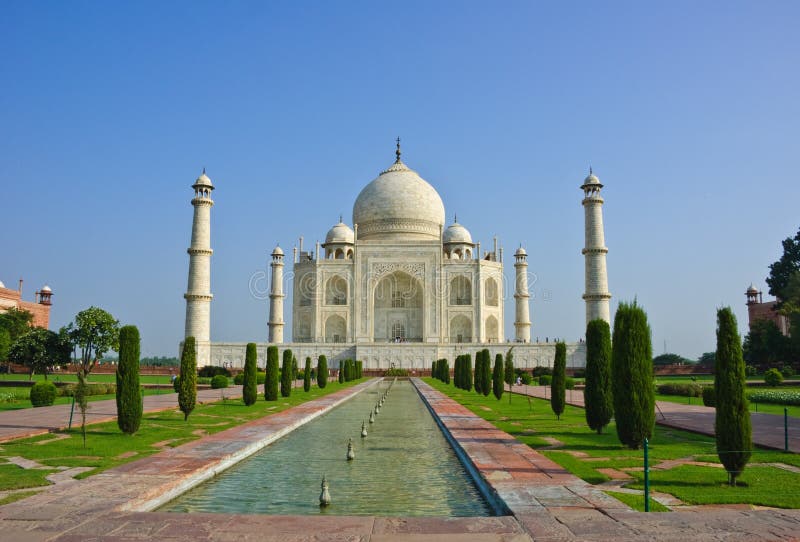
point(43, 394)
point(776, 397)
point(93, 388)
point(526, 379)
point(542, 371)
point(579, 373)
point(787, 371)
point(709, 396)
point(204, 380)
point(684, 389)
point(545, 380)
point(773, 377)
point(176, 384)
point(749, 370)
point(260, 378)
point(219, 381)
point(210, 371)
point(569, 383)
point(396, 371)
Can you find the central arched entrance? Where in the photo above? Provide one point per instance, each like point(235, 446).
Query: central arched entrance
point(398, 309)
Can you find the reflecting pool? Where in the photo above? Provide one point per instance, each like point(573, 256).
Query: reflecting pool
point(404, 467)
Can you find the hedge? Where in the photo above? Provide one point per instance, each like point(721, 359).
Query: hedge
point(684, 389)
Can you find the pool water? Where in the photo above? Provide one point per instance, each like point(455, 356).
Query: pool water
point(404, 467)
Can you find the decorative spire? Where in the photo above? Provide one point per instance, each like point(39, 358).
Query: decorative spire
point(204, 170)
point(590, 170)
point(397, 152)
point(455, 218)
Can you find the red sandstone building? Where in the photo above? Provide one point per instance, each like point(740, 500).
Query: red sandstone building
point(758, 310)
point(39, 307)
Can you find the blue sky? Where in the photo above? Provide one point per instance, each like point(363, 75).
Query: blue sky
point(687, 111)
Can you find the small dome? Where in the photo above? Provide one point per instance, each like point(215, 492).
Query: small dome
point(340, 233)
point(456, 233)
point(752, 289)
point(46, 289)
point(2, 285)
point(520, 252)
point(591, 180)
point(203, 180)
point(277, 252)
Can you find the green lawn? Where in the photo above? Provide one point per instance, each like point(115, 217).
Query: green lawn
point(66, 377)
point(107, 447)
point(534, 423)
point(21, 397)
point(637, 502)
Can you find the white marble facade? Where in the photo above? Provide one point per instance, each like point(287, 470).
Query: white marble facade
point(401, 289)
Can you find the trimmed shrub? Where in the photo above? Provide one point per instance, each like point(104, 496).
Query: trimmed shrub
point(773, 377)
point(581, 373)
point(569, 383)
point(709, 397)
point(468, 382)
point(541, 371)
point(90, 389)
point(486, 377)
point(632, 376)
point(322, 371)
point(545, 380)
point(558, 399)
point(597, 395)
point(286, 373)
point(526, 379)
point(359, 369)
point(684, 389)
point(219, 382)
point(776, 397)
point(732, 425)
point(271, 377)
point(498, 376)
point(187, 391)
point(749, 370)
point(249, 375)
point(396, 371)
point(210, 371)
point(176, 384)
point(307, 375)
point(341, 373)
point(43, 394)
point(787, 371)
point(129, 394)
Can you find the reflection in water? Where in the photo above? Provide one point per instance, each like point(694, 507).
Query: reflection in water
point(405, 467)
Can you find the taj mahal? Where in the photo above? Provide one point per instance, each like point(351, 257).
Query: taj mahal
point(399, 288)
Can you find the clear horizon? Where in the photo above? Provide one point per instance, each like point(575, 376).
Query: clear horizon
point(687, 113)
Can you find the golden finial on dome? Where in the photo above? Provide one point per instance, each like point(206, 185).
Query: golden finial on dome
point(397, 152)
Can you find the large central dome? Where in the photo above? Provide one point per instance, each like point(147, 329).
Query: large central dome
point(399, 204)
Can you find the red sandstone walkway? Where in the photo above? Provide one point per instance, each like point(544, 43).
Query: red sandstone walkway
point(36, 421)
point(768, 429)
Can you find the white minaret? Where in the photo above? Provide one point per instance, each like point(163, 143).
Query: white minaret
point(595, 251)
point(276, 298)
point(522, 323)
point(198, 292)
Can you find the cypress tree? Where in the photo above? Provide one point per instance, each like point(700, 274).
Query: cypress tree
point(558, 393)
point(632, 376)
point(322, 371)
point(446, 369)
point(468, 372)
point(486, 376)
point(732, 424)
point(597, 394)
point(498, 376)
point(271, 378)
point(307, 375)
point(187, 390)
point(129, 397)
point(359, 369)
point(286, 373)
point(341, 373)
point(458, 376)
point(250, 382)
point(478, 370)
point(509, 369)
